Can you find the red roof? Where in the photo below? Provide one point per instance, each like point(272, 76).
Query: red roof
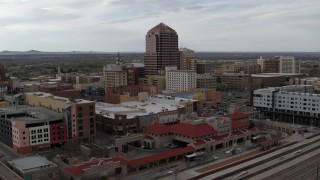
point(236, 116)
point(160, 156)
point(158, 129)
point(221, 137)
point(162, 27)
point(238, 124)
point(270, 141)
point(184, 129)
point(149, 137)
point(191, 130)
point(237, 133)
point(79, 169)
point(253, 129)
point(199, 142)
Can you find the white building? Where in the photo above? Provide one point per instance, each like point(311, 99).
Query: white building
point(296, 103)
point(289, 64)
point(180, 80)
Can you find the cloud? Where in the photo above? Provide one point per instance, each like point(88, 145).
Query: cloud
point(114, 25)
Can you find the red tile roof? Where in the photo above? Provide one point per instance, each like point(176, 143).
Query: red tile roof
point(237, 133)
point(191, 130)
point(160, 156)
point(221, 137)
point(270, 141)
point(158, 129)
point(184, 129)
point(238, 124)
point(199, 142)
point(162, 27)
point(253, 129)
point(149, 137)
point(236, 116)
point(79, 169)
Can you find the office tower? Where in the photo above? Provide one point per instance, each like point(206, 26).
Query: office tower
point(161, 49)
point(289, 64)
point(188, 61)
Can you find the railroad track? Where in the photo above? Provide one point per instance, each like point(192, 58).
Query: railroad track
point(253, 157)
point(278, 164)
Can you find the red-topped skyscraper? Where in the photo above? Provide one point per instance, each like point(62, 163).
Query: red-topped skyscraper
point(161, 49)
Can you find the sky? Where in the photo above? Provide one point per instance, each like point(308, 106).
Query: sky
point(121, 26)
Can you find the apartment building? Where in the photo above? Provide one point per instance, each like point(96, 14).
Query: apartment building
point(293, 104)
point(180, 80)
point(188, 61)
point(206, 81)
point(269, 65)
point(79, 114)
point(289, 64)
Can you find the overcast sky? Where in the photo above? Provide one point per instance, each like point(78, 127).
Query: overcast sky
point(202, 25)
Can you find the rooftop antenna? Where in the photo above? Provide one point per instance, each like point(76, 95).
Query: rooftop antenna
point(118, 59)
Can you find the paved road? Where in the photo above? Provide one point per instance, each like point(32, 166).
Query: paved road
point(7, 174)
point(7, 152)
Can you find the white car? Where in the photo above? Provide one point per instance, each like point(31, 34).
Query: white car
point(297, 152)
point(214, 157)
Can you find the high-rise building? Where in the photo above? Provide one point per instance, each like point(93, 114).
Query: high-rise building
point(289, 64)
point(161, 49)
point(188, 61)
point(269, 65)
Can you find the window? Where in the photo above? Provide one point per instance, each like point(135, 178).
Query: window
point(39, 130)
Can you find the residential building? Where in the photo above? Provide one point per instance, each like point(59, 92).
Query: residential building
point(269, 65)
point(233, 81)
point(79, 114)
point(115, 75)
point(296, 104)
point(206, 81)
point(289, 64)
point(188, 61)
point(161, 49)
point(30, 129)
point(180, 80)
point(246, 67)
point(154, 80)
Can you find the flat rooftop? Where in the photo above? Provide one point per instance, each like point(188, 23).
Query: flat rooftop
point(30, 114)
point(31, 163)
point(133, 109)
point(266, 75)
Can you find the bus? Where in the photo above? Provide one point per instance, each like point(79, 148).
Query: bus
point(193, 156)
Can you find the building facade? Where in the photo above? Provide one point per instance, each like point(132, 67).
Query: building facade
point(180, 80)
point(269, 65)
point(296, 104)
point(289, 64)
point(161, 49)
point(188, 61)
point(206, 81)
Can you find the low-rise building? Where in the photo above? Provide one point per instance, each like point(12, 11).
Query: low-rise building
point(35, 167)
